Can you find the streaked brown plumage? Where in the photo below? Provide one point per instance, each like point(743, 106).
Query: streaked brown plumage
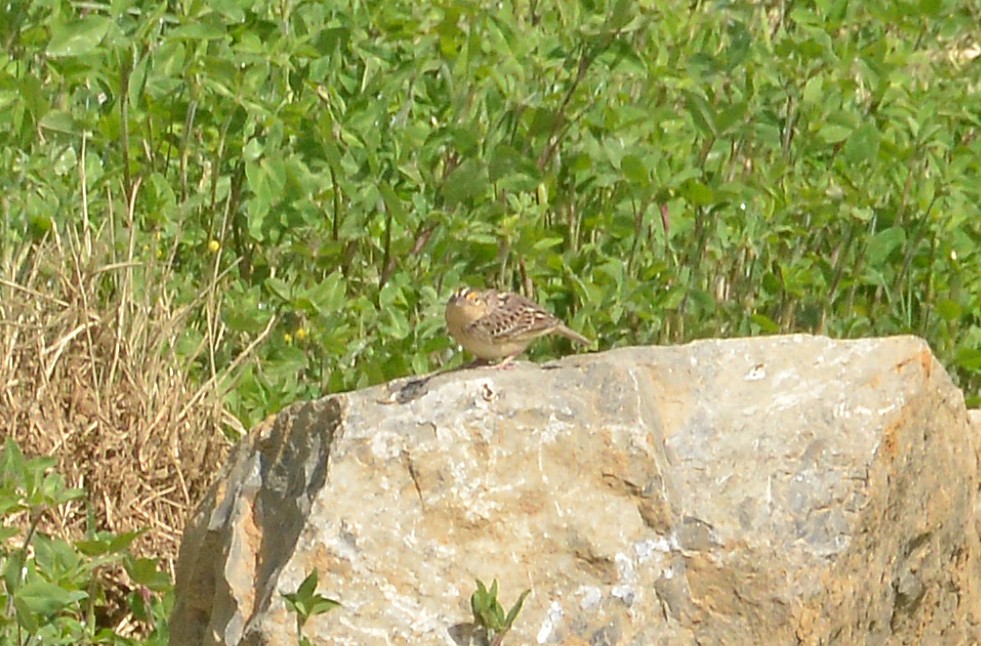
point(491, 324)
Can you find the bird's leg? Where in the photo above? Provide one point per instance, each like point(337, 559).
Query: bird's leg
point(508, 362)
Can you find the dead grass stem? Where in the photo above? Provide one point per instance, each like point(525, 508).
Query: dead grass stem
point(91, 374)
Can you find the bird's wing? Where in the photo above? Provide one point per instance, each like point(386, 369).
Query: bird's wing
point(516, 317)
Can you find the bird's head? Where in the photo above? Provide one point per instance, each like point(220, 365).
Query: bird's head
point(466, 304)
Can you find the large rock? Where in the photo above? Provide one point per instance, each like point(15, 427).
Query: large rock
point(782, 490)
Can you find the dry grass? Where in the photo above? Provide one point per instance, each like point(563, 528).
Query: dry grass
point(90, 375)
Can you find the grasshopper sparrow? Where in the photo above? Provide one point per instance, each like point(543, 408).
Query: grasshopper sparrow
point(494, 325)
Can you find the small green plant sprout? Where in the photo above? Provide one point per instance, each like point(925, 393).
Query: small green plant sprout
point(306, 603)
point(489, 614)
point(31, 598)
point(57, 592)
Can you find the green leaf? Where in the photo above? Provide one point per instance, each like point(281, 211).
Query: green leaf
point(623, 13)
point(306, 603)
point(832, 133)
point(27, 617)
point(395, 324)
point(547, 243)
point(308, 587)
point(515, 609)
point(701, 113)
point(320, 604)
point(60, 121)
point(209, 27)
point(969, 359)
point(698, 193)
point(280, 288)
point(54, 492)
point(813, 90)
point(78, 38)
point(767, 325)
point(884, 243)
point(862, 144)
point(146, 572)
point(329, 295)
point(13, 569)
point(392, 201)
point(634, 170)
point(122, 542)
point(465, 183)
point(45, 599)
point(949, 310)
point(12, 464)
point(54, 556)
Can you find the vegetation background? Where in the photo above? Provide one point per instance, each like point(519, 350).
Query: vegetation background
point(213, 209)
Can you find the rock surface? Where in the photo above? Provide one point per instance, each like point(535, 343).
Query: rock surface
point(780, 490)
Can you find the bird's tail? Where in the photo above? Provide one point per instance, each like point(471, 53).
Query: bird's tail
point(572, 335)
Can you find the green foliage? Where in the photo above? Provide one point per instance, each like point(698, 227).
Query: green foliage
point(53, 591)
point(306, 603)
point(488, 613)
point(658, 171)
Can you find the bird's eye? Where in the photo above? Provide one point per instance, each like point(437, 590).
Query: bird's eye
point(471, 296)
